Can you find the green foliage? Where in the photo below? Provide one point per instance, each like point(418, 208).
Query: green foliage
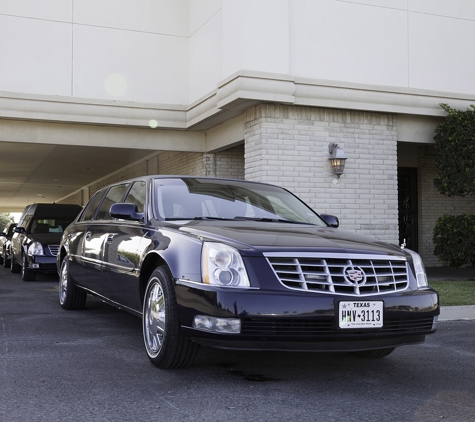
point(455, 293)
point(5, 218)
point(455, 143)
point(454, 239)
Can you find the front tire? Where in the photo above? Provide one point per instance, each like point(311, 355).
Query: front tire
point(373, 354)
point(26, 274)
point(14, 266)
point(70, 296)
point(166, 347)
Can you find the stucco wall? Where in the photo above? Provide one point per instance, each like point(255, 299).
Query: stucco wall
point(176, 52)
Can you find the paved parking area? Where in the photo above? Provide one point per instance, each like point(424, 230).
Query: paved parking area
point(90, 365)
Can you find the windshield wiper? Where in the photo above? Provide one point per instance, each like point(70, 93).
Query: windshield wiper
point(270, 220)
point(212, 218)
point(239, 218)
point(198, 218)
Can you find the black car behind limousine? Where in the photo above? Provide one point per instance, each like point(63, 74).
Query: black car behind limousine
point(35, 241)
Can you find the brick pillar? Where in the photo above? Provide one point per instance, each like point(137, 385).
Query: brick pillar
point(288, 146)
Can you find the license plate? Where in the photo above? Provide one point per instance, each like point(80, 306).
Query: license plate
point(360, 314)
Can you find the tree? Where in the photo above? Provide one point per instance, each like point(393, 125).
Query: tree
point(454, 239)
point(454, 235)
point(5, 218)
point(455, 143)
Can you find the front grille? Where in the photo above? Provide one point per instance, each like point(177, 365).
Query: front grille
point(354, 275)
point(311, 327)
point(54, 249)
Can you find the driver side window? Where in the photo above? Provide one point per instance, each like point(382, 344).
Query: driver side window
point(137, 195)
point(115, 194)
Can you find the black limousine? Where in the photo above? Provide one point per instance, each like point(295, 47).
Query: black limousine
point(240, 265)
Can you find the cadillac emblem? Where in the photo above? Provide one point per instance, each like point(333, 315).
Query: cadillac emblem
point(354, 275)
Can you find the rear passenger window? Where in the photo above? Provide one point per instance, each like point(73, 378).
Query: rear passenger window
point(137, 195)
point(90, 209)
point(115, 194)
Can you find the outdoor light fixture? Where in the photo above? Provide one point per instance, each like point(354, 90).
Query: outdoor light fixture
point(337, 159)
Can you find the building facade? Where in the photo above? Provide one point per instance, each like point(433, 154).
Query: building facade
point(252, 89)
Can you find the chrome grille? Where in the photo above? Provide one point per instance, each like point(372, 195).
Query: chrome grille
point(351, 275)
point(54, 249)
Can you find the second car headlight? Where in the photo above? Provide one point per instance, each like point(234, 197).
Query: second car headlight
point(223, 266)
point(36, 248)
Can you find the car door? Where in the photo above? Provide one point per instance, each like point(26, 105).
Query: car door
point(95, 239)
point(19, 236)
point(76, 234)
point(122, 252)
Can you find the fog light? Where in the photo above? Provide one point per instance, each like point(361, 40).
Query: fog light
point(434, 323)
point(217, 325)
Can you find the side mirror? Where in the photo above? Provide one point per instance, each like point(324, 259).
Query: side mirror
point(331, 220)
point(126, 211)
point(19, 230)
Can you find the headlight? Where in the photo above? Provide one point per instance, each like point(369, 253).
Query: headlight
point(36, 248)
point(222, 265)
point(418, 268)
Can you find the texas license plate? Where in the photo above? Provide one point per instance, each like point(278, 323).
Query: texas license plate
point(360, 314)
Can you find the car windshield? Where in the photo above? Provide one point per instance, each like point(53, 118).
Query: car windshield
point(196, 199)
point(50, 225)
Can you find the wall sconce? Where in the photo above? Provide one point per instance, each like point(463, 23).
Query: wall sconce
point(337, 159)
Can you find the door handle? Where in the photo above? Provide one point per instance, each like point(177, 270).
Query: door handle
point(88, 235)
point(110, 238)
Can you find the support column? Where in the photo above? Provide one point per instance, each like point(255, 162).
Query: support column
point(288, 146)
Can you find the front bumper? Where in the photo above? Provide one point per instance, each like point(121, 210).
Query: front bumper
point(296, 321)
point(41, 263)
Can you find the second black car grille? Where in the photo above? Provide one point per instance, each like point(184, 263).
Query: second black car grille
point(54, 249)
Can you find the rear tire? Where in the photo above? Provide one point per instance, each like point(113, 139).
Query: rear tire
point(5, 259)
point(26, 274)
point(70, 296)
point(166, 347)
point(373, 354)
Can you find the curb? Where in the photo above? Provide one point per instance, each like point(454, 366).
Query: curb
point(454, 313)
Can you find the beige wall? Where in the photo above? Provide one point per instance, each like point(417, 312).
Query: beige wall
point(228, 163)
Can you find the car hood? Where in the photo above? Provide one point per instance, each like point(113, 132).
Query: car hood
point(296, 237)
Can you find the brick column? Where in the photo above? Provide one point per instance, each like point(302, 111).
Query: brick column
point(288, 146)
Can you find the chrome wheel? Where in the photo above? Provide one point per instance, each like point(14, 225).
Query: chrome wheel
point(70, 296)
point(165, 345)
point(154, 318)
point(63, 281)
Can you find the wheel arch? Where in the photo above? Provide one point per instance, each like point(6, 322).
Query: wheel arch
point(151, 261)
